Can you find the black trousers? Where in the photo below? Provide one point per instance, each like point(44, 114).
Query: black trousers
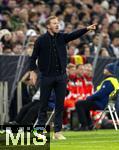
point(83, 108)
point(47, 84)
point(28, 113)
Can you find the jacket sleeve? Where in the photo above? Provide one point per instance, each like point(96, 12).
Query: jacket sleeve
point(105, 90)
point(74, 35)
point(34, 56)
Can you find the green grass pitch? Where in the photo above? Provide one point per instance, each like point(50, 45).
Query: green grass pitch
point(93, 140)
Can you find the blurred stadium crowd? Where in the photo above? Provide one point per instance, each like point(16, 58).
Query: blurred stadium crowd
point(21, 22)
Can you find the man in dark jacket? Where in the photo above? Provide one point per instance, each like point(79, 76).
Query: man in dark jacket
point(99, 100)
point(50, 51)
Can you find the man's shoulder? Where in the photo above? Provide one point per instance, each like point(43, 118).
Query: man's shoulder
point(108, 84)
point(42, 36)
point(46, 35)
point(61, 34)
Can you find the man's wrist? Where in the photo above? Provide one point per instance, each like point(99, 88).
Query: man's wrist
point(88, 28)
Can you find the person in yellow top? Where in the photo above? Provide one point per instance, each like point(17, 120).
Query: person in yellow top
point(100, 99)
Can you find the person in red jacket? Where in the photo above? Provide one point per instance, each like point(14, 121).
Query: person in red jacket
point(80, 82)
point(72, 91)
point(88, 76)
point(71, 86)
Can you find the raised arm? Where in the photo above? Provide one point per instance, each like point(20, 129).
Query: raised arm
point(78, 33)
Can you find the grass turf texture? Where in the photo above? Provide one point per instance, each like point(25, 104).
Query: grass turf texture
point(93, 140)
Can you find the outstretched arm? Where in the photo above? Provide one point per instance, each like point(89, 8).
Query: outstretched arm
point(76, 34)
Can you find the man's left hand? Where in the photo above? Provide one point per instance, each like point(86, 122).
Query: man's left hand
point(92, 27)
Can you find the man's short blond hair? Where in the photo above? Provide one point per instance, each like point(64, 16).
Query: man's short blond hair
point(70, 65)
point(49, 19)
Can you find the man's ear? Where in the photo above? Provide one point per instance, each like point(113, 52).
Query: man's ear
point(48, 27)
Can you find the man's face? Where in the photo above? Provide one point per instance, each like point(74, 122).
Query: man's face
point(96, 40)
point(88, 70)
point(116, 42)
point(80, 70)
point(53, 26)
point(72, 71)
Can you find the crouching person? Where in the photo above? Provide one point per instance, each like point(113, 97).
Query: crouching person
point(29, 113)
point(100, 99)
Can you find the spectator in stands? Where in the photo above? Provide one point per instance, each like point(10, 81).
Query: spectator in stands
point(85, 51)
point(94, 45)
point(104, 52)
point(106, 43)
point(100, 99)
point(113, 27)
point(20, 36)
point(68, 28)
point(114, 47)
point(72, 50)
point(6, 40)
point(7, 51)
point(76, 43)
point(29, 49)
point(18, 49)
point(31, 35)
point(16, 21)
point(24, 15)
point(33, 20)
point(5, 20)
point(112, 13)
point(68, 12)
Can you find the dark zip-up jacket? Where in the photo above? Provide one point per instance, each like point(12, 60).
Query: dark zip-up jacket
point(42, 48)
point(101, 96)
